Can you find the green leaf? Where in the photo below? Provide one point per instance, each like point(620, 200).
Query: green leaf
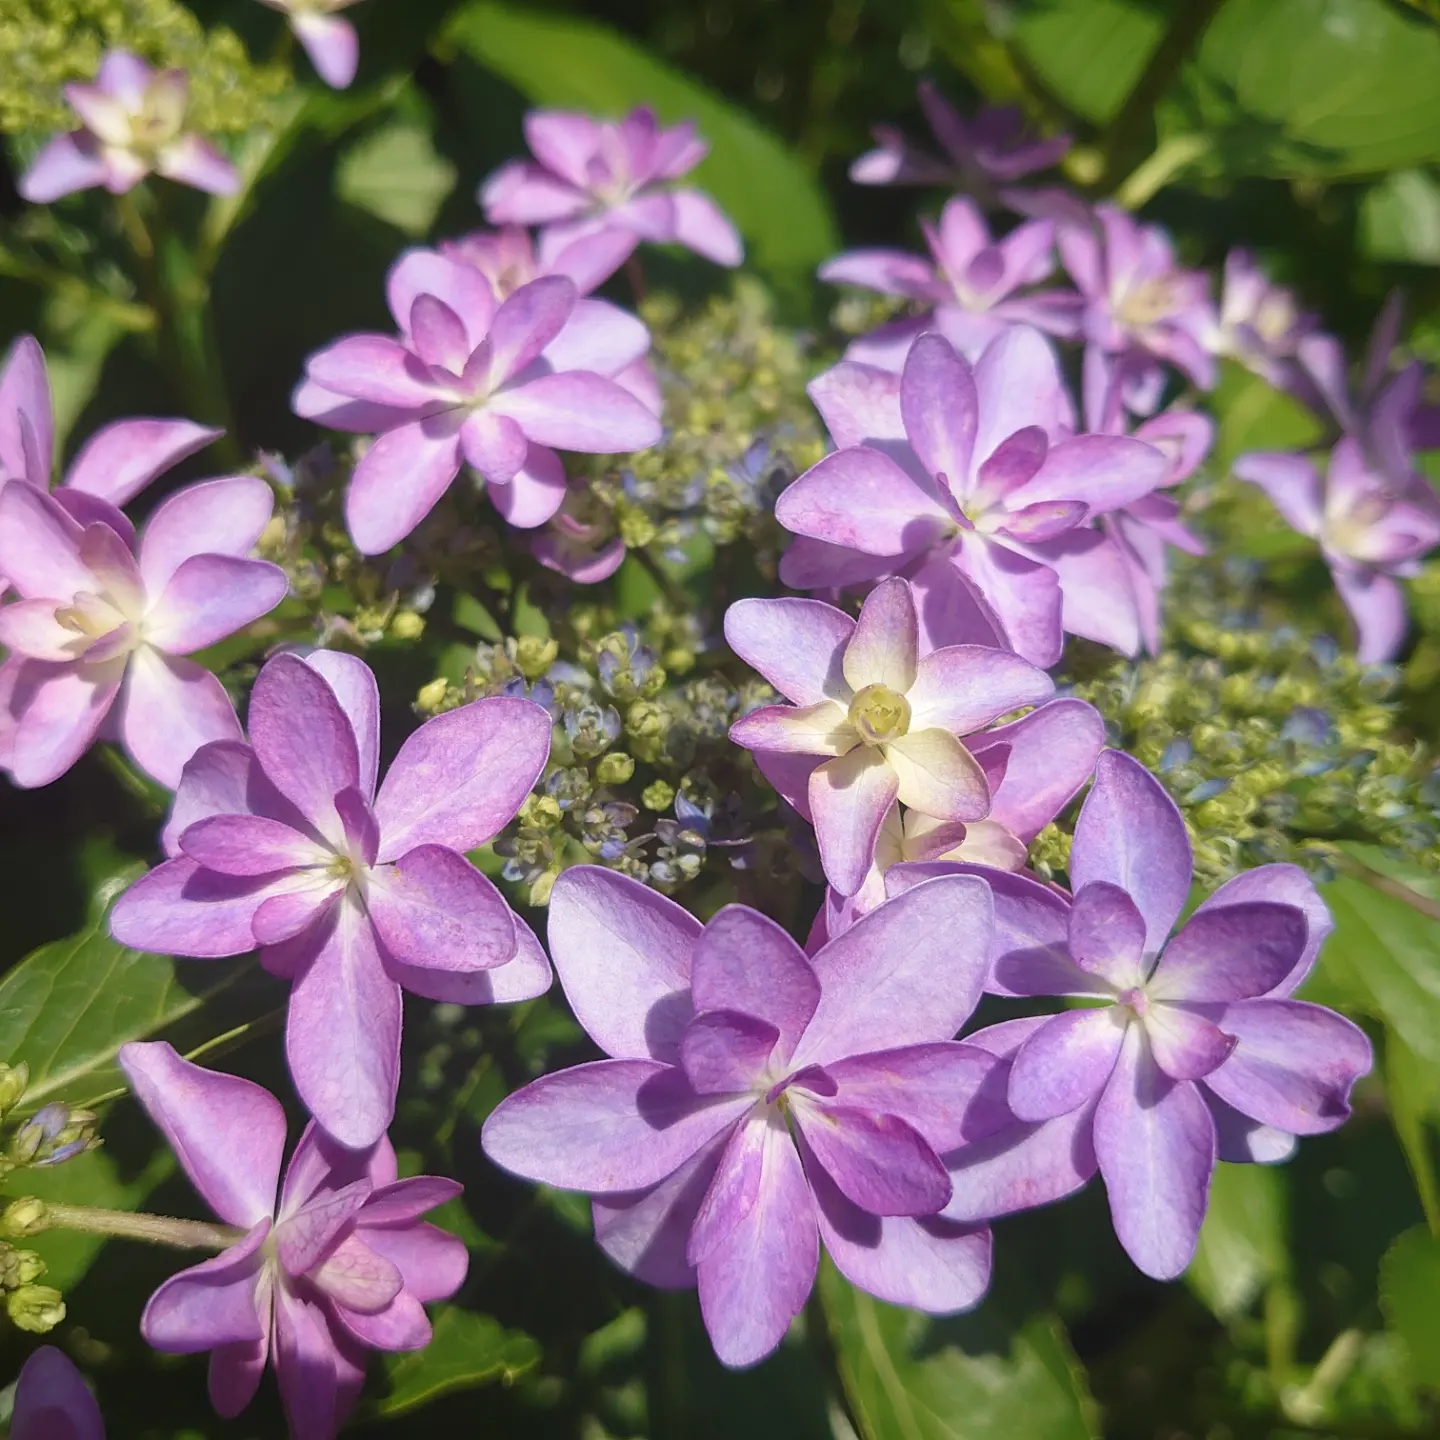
point(396, 175)
point(68, 1007)
point(1243, 1241)
point(570, 63)
point(468, 1350)
point(1400, 219)
point(1251, 414)
point(1410, 1297)
point(910, 1377)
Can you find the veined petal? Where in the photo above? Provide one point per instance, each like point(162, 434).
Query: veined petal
point(962, 687)
point(941, 410)
point(879, 1162)
point(1066, 1062)
point(399, 480)
point(1107, 935)
point(1186, 1046)
point(578, 410)
point(210, 597)
point(250, 845)
point(211, 1304)
point(1231, 952)
point(724, 1052)
point(215, 517)
point(884, 646)
point(820, 729)
point(797, 645)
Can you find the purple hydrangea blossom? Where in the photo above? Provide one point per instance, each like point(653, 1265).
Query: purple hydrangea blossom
point(474, 378)
point(133, 124)
point(330, 42)
point(1139, 304)
point(1370, 534)
point(719, 1036)
point(967, 285)
point(1197, 1050)
point(330, 1264)
point(103, 622)
point(955, 475)
point(992, 147)
point(351, 894)
point(590, 176)
point(873, 720)
point(1260, 324)
point(53, 1402)
point(578, 542)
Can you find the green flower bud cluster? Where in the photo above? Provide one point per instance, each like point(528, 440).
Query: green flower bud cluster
point(45, 44)
point(52, 1135)
point(32, 1307)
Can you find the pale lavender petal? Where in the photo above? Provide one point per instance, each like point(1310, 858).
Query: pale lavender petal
point(536, 492)
point(376, 369)
point(1155, 1142)
point(303, 1238)
point(121, 459)
point(1103, 471)
point(701, 226)
point(522, 194)
point(879, 1162)
point(398, 481)
point(576, 410)
point(891, 272)
point(952, 610)
point(1018, 383)
point(1130, 834)
point(724, 1052)
point(1098, 599)
point(526, 322)
point(235, 1375)
point(1231, 952)
point(1281, 885)
point(1021, 1167)
point(211, 1304)
point(404, 1200)
point(437, 335)
point(249, 845)
point(58, 711)
point(1023, 594)
point(179, 909)
point(460, 286)
point(859, 404)
point(1243, 1141)
point(227, 1133)
point(598, 336)
point(64, 165)
point(305, 1365)
point(941, 410)
point(432, 1261)
point(822, 729)
point(810, 564)
point(884, 646)
point(609, 1126)
point(52, 1400)
point(1293, 484)
point(1185, 1045)
point(961, 687)
point(353, 683)
point(1066, 1062)
point(589, 260)
point(797, 645)
point(215, 517)
point(40, 546)
point(460, 778)
point(298, 910)
point(210, 597)
point(27, 415)
point(361, 417)
point(30, 628)
point(1377, 606)
point(332, 45)
point(938, 776)
point(1107, 935)
point(848, 798)
point(565, 142)
point(622, 952)
point(353, 1276)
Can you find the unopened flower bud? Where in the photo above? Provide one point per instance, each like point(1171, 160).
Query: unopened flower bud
point(19, 1267)
point(36, 1308)
point(615, 768)
point(534, 656)
point(13, 1080)
point(432, 696)
point(24, 1217)
point(407, 625)
point(658, 795)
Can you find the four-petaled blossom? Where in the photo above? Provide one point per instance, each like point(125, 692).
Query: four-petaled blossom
point(993, 146)
point(967, 284)
point(1369, 533)
point(757, 1102)
point(1259, 324)
point(351, 894)
point(329, 41)
point(329, 1265)
point(53, 1402)
point(133, 123)
point(495, 383)
point(954, 475)
point(873, 720)
point(1139, 304)
point(1197, 1050)
point(103, 622)
point(593, 175)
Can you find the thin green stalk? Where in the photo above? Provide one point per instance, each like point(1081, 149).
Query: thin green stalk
point(137, 1225)
point(1153, 174)
point(669, 587)
point(79, 292)
point(1395, 889)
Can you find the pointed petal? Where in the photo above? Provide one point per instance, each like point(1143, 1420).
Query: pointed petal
point(1186, 1046)
point(701, 226)
point(215, 517)
point(1280, 885)
point(879, 1162)
point(399, 480)
point(303, 1238)
point(305, 1365)
point(859, 404)
point(884, 646)
point(1107, 935)
point(1293, 484)
point(1377, 606)
point(938, 776)
point(52, 1400)
point(941, 410)
point(849, 797)
point(27, 423)
point(1023, 594)
point(357, 1278)
point(64, 165)
point(577, 410)
point(210, 597)
point(193, 160)
point(40, 546)
point(797, 645)
point(332, 45)
point(60, 710)
point(353, 683)
point(249, 845)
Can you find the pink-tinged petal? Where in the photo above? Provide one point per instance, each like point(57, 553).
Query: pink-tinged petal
point(1155, 1142)
point(353, 1275)
point(193, 160)
point(536, 493)
point(210, 597)
point(1018, 383)
point(460, 286)
point(235, 1375)
point(298, 910)
point(40, 546)
point(590, 260)
point(526, 323)
point(211, 1304)
point(27, 415)
point(745, 962)
point(961, 687)
point(64, 165)
point(908, 973)
point(598, 336)
point(1377, 606)
point(1103, 471)
point(939, 403)
point(1292, 1066)
point(929, 1264)
point(1231, 952)
point(757, 1279)
point(401, 1325)
point(640, 380)
point(884, 646)
point(859, 404)
point(304, 1237)
point(610, 1126)
point(891, 272)
point(1023, 594)
point(1052, 754)
point(952, 611)
point(1186, 1046)
point(797, 645)
point(1096, 584)
point(647, 1233)
point(432, 1261)
point(402, 1201)
point(809, 564)
point(342, 1035)
point(1066, 1062)
point(1130, 834)
point(303, 740)
point(362, 832)
point(460, 778)
point(938, 776)
point(576, 410)
point(179, 909)
point(848, 798)
point(332, 45)
point(879, 1162)
point(886, 347)
point(52, 1401)
point(121, 459)
point(126, 77)
point(701, 226)
point(305, 1365)
point(565, 142)
point(1293, 484)
point(433, 908)
point(361, 417)
point(522, 977)
point(822, 729)
point(353, 683)
point(398, 481)
point(1045, 520)
point(862, 500)
point(622, 952)
point(437, 335)
point(224, 778)
point(1107, 936)
point(58, 711)
point(227, 1133)
point(522, 194)
point(1280, 885)
point(249, 845)
point(790, 776)
point(493, 445)
point(376, 369)
point(724, 1052)
point(216, 517)
point(29, 628)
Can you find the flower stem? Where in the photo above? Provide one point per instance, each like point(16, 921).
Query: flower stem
point(635, 274)
point(1153, 174)
point(137, 1225)
point(670, 588)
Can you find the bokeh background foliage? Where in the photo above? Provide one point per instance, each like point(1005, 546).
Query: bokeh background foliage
point(1309, 129)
